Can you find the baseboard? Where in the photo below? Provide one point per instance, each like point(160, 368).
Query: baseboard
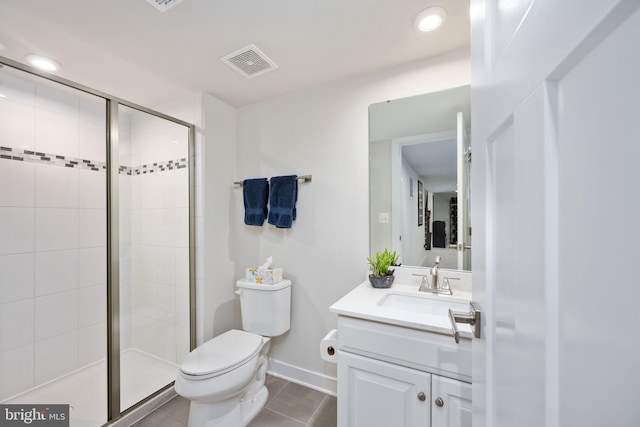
point(305, 377)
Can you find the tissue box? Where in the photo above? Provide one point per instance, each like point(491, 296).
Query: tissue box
point(267, 276)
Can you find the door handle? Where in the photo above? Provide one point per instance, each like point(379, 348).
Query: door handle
point(472, 318)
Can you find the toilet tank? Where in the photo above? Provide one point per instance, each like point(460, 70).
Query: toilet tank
point(266, 309)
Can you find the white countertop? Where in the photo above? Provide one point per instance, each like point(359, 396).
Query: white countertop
point(363, 303)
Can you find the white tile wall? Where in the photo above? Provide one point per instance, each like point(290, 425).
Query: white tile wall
point(166, 304)
point(150, 227)
point(57, 99)
point(16, 324)
point(16, 229)
point(56, 133)
point(56, 229)
point(56, 271)
point(94, 110)
point(151, 191)
point(16, 277)
point(92, 228)
point(166, 341)
point(168, 227)
point(16, 370)
point(17, 122)
point(92, 266)
point(18, 183)
point(167, 265)
point(92, 343)
point(56, 356)
point(91, 141)
point(57, 186)
point(56, 314)
point(181, 196)
point(182, 268)
point(18, 90)
point(92, 190)
point(92, 304)
point(182, 227)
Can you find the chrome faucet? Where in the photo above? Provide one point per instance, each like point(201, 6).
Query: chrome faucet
point(425, 286)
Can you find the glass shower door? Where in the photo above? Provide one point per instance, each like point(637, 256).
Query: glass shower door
point(53, 259)
point(154, 252)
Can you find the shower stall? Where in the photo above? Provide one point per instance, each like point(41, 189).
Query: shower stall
point(96, 247)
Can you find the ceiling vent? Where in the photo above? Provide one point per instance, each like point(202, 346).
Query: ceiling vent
point(163, 5)
point(249, 61)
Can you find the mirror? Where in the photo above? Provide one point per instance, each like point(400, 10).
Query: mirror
point(419, 166)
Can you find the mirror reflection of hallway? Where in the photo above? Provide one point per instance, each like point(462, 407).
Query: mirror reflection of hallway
point(443, 223)
point(414, 146)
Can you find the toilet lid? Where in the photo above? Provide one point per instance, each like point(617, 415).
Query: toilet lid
point(222, 353)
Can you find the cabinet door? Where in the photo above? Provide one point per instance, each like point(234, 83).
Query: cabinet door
point(451, 403)
point(372, 393)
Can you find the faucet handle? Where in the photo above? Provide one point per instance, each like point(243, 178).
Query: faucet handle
point(437, 261)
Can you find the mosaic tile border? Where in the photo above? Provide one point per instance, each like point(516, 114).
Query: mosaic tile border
point(154, 167)
point(10, 153)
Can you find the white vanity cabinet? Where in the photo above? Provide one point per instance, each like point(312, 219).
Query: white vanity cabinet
point(373, 393)
point(394, 376)
point(451, 402)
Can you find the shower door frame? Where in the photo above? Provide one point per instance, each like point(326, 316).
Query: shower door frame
point(113, 245)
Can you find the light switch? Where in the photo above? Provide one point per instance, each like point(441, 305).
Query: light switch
point(383, 218)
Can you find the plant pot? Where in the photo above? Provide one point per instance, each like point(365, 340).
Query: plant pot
point(381, 281)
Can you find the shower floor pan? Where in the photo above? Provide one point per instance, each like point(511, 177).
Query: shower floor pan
point(86, 389)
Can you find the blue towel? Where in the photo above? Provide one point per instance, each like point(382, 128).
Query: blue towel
point(256, 194)
point(282, 203)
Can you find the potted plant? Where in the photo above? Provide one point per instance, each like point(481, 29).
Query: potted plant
point(381, 274)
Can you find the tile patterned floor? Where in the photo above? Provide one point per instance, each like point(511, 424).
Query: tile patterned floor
point(289, 405)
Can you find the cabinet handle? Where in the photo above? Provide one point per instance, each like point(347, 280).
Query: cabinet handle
point(439, 402)
point(422, 397)
point(331, 350)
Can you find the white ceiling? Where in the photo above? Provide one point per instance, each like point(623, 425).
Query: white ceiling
point(128, 49)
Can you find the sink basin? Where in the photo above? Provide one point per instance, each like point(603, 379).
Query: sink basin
point(419, 303)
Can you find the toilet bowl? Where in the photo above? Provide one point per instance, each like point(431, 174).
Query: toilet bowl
point(224, 377)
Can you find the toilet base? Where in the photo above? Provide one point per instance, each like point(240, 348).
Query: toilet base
point(252, 407)
point(232, 413)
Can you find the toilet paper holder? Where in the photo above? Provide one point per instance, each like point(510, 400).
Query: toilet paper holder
point(328, 346)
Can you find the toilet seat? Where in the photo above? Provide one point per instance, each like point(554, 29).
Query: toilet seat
point(221, 354)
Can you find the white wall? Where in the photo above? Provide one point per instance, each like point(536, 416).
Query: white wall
point(322, 131)
point(380, 198)
point(412, 235)
point(220, 309)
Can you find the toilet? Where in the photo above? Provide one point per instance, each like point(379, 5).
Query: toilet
point(224, 377)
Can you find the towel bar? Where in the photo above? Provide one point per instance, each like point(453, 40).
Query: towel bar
point(306, 178)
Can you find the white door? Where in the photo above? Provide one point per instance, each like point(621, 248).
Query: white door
point(378, 394)
point(556, 143)
point(451, 403)
point(464, 235)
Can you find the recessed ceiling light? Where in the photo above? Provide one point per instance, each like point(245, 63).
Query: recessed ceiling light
point(430, 18)
point(42, 62)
